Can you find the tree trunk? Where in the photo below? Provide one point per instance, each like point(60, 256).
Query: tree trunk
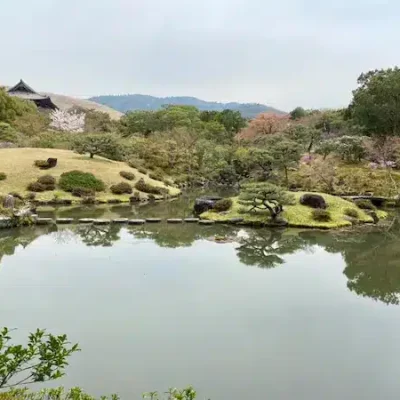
point(91, 155)
point(286, 177)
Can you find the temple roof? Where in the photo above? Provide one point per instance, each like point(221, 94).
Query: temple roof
point(24, 91)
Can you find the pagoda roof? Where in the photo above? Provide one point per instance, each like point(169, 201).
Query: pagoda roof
point(24, 91)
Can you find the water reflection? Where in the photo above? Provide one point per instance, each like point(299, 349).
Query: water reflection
point(371, 256)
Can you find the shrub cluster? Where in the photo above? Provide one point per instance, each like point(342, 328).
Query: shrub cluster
point(3, 176)
point(142, 186)
point(127, 175)
point(43, 184)
point(135, 197)
point(142, 170)
point(42, 164)
point(77, 179)
point(364, 204)
point(83, 192)
point(156, 176)
point(222, 205)
point(351, 212)
point(121, 188)
point(321, 215)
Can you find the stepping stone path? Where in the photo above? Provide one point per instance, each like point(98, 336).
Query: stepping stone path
point(120, 221)
point(44, 221)
point(174, 221)
point(153, 220)
point(86, 220)
point(101, 221)
point(192, 220)
point(64, 220)
point(136, 221)
point(206, 222)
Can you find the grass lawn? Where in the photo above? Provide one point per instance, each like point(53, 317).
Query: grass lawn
point(298, 215)
point(18, 165)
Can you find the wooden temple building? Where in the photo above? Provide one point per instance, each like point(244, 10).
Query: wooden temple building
point(25, 92)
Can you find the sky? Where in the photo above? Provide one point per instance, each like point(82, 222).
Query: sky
point(284, 53)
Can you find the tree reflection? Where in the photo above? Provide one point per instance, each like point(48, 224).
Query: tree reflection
point(265, 248)
point(98, 235)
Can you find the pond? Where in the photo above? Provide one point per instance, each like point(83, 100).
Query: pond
point(266, 314)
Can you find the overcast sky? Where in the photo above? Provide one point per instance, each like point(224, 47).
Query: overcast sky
point(282, 53)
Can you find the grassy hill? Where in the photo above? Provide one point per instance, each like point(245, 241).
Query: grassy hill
point(131, 102)
point(18, 165)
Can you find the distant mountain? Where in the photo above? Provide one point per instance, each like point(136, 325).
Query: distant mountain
point(131, 102)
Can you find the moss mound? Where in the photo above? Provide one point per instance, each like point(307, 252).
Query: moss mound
point(77, 179)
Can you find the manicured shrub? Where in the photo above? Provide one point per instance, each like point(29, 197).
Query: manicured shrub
point(47, 180)
point(321, 215)
point(156, 176)
point(351, 212)
point(222, 205)
point(36, 187)
point(83, 192)
point(78, 179)
point(133, 163)
point(121, 188)
point(3, 176)
point(142, 170)
point(142, 186)
point(88, 200)
point(135, 197)
point(30, 196)
point(364, 204)
point(17, 195)
point(313, 200)
point(42, 164)
point(127, 175)
point(168, 182)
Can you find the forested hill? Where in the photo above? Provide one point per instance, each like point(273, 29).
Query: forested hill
point(131, 102)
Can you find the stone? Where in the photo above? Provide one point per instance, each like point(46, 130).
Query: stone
point(134, 199)
point(9, 202)
point(279, 221)
point(192, 220)
point(44, 221)
point(236, 220)
point(136, 221)
point(101, 221)
point(114, 201)
point(120, 221)
point(153, 220)
point(313, 200)
point(52, 162)
point(85, 220)
point(206, 222)
point(6, 222)
point(174, 221)
point(64, 220)
point(203, 204)
point(374, 215)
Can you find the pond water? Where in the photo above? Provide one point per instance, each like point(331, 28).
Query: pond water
point(270, 314)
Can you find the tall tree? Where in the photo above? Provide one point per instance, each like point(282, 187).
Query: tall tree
point(376, 102)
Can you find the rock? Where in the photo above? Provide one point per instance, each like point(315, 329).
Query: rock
point(52, 162)
point(134, 199)
point(206, 222)
point(374, 215)
point(174, 221)
point(203, 204)
point(279, 221)
point(153, 220)
point(9, 202)
point(6, 222)
point(101, 222)
point(44, 221)
point(136, 221)
point(191, 220)
point(85, 220)
point(313, 200)
point(114, 201)
point(64, 220)
point(236, 220)
point(120, 221)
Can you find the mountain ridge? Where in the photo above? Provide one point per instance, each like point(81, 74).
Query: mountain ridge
point(133, 102)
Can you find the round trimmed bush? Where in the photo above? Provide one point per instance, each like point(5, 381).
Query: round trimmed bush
point(321, 215)
point(127, 175)
point(83, 192)
point(3, 176)
point(135, 197)
point(47, 180)
point(77, 179)
point(121, 188)
point(351, 212)
point(142, 170)
point(364, 204)
point(156, 176)
point(313, 200)
point(36, 187)
point(142, 186)
point(42, 164)
point(30, 196)
point(222, 205)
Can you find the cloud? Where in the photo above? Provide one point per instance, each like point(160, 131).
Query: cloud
point(279, 53)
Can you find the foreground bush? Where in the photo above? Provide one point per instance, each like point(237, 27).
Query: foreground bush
point(364, 204)
point(77, 179)
point(321, 215)
point(142, 186)
point(83, 192)
point(39, 187)
point(351, 212)
point(42, 164)
point(127, 175)
point(3, 176)
point(121, 188)
point(222, 205)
